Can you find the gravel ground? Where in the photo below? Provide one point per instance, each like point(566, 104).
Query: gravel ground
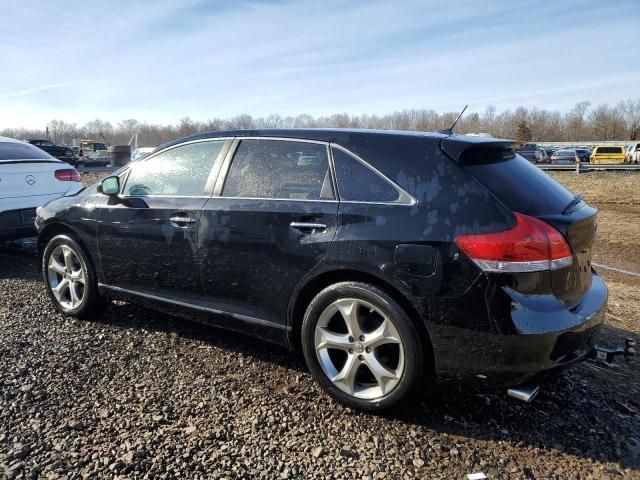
point(138, 394)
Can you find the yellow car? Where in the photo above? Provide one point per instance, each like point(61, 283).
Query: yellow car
point(608, 154)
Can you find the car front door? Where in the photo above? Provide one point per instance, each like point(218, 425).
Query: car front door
point(272, 219)
point(147, 235)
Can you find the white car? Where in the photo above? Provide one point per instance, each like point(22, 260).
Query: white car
point(29, 178)
point(633, 153)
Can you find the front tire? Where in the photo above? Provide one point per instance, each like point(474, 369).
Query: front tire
point(70, 278)
point(361, 347)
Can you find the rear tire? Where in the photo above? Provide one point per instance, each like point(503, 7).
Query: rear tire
point(361, 347)
point(70, 278)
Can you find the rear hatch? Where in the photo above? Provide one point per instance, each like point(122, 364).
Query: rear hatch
point(526, 189)
point(609, 154)
point(27, 178)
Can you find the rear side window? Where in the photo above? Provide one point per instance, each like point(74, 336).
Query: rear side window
point(614, 150)
point(22, 151)
point(181, 171)
point(279, 169)
point(359, 183)
point(521, 186)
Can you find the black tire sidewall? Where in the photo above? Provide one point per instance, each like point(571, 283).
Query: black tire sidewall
point(413, 349)
point(91, 295)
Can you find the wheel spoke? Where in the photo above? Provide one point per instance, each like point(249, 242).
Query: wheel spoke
point(384, 376)
point(327, 339)
point(349, 311)
point(347, 376)
point(68, 260)
point(73, 294)
point(382, 335)
point(55, 265)
point(58, 289)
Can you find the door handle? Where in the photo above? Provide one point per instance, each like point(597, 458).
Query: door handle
point(182, 221)
point(308, 226)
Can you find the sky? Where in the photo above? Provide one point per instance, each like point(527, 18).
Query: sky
point(163, 60)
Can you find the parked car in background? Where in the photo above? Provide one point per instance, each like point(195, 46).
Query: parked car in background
point(608, 154)
point(29, 178)
point(89, 146)
point(584, 154)
point(544, 158)
point(633, 153)
point(567, 156)
point(58, 151)
point(531, 152)
point(330, 241)
point(140, 153)
point(549, 152)
point(99, 158)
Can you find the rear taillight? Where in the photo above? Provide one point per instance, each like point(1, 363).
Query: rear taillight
point(68, 175)
point(530, 246)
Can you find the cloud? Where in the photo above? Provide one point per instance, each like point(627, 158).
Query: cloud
point(31, 91)
point(209, 59)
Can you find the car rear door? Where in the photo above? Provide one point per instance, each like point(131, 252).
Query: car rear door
point(147, 236)
point(272, 219)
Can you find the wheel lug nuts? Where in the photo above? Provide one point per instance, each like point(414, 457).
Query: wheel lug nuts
point(351, 350)
point(361, 358)
point(368, 350)
point(362, 338)
point(350, 338)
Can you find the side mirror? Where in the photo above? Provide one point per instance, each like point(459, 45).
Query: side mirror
point(110, 185)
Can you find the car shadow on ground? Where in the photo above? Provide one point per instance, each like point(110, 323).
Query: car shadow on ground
point(590, 412)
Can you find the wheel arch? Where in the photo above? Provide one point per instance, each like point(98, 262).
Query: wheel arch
point(315, 285)
point(53, 229)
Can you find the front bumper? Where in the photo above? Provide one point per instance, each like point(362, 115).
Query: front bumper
point(547, 337)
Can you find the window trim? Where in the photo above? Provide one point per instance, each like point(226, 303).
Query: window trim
point(226, 166)
point(211, 178)
point(405, 198)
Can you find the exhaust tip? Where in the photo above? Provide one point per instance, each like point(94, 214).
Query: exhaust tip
point(524, 393)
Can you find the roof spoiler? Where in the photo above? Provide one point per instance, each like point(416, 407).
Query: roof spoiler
point(458, 147)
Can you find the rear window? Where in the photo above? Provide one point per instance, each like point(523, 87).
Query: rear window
point(565, 153)
point(614, 150)
point(521, 186)
point(22, 151)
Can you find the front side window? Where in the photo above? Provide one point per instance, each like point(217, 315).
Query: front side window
point(280, 169)
point(359, 183)
point(179, 171)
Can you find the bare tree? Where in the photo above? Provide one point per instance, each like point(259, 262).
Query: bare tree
point(631, 112)
point(605, 122)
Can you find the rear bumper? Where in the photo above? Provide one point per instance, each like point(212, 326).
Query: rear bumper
point(17, 223)
point(546, 338)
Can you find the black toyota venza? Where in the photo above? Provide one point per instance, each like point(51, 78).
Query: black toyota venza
point(388, 258)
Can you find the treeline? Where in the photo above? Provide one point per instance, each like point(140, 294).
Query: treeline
point(583, 122)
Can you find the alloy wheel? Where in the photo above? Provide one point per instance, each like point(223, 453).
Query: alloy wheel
point(67, 277)
point(359, 348)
